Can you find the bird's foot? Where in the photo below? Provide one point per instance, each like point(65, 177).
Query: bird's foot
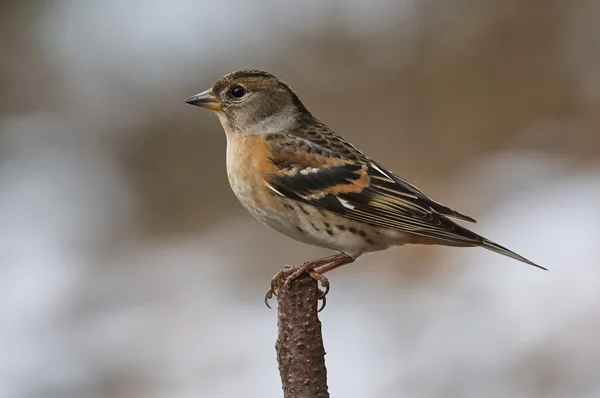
point(274, 282)
point(316, 276)
point(288, 274)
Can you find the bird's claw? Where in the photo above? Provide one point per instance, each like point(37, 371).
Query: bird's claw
point(321, 295)
point(291, 277)
point(274, 282)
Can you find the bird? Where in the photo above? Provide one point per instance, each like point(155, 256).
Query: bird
point(300, 178)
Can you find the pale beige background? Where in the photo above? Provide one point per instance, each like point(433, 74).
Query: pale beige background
point(128, 269)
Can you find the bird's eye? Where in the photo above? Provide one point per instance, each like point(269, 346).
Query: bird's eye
point(238, 91)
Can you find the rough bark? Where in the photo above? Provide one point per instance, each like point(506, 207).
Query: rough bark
point(300, 350)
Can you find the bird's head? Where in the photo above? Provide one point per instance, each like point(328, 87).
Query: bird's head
point(252, 102)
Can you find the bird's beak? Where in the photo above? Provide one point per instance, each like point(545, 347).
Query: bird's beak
point(206, 99)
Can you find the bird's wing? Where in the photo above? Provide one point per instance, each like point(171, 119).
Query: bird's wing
point(342, 180)
point(322, 138)
point(408, 187)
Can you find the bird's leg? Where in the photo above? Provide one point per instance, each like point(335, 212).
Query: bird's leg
point(313, 268)
point(320, 270)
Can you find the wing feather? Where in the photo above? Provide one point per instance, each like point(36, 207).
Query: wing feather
point(361, 190)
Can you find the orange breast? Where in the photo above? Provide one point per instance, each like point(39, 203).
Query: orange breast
point(247, 165)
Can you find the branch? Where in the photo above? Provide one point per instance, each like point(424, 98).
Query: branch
point(300, 350)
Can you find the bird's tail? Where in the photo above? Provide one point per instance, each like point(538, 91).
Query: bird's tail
point(488, 244)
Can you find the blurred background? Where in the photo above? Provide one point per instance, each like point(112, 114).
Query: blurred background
point(128, 269)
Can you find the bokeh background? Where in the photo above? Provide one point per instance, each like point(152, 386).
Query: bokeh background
point(128, 269)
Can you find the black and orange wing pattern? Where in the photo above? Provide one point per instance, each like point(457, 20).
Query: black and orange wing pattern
point(317, 167)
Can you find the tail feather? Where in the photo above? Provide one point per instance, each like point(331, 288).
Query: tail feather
point(488, 244)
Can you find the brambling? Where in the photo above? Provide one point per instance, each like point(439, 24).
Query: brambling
point(294, 174)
